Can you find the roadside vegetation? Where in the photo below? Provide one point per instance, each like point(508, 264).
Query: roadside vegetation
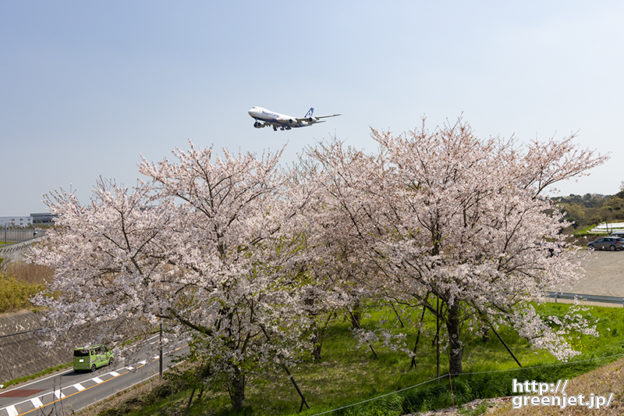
point(347, 375)
point(35, 376)
point(19, 282)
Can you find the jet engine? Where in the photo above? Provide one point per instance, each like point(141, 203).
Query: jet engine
point(258, 125)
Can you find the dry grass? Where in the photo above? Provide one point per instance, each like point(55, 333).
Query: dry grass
point(29, 273)
point(20, 282)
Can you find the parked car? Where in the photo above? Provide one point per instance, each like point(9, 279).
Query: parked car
point(91, 358)
point(607, 243)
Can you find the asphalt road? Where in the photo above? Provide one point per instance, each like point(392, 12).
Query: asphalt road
point(63, 393)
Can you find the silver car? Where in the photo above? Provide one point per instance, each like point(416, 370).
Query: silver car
point(607, 243)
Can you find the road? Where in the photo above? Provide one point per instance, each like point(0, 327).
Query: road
point(63, 393)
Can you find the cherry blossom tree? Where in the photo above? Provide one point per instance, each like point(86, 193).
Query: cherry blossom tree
point(442, 214)
point(108, 258)
point(202, 246)
point(326, 259)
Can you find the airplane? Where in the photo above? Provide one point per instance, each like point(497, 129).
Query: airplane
point(266, 118)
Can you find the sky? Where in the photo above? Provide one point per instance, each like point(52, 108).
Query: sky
point(88, 88)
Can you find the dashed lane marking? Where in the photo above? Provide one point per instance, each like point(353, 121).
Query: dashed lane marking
point(59, 395)
point(36, 402)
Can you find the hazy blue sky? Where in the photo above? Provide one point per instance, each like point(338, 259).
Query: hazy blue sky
point(88, 87)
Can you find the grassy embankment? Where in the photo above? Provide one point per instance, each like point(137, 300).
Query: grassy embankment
point(19, 282)
point(347, 375)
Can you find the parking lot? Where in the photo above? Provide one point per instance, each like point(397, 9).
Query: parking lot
point(604, 274)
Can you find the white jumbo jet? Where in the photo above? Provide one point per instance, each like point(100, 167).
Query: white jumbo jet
point(266, 117)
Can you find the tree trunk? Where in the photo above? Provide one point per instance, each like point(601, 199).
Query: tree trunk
point(237, 389)
point(455, 344)
point(485, 333)
point(356, 315)
point(316, 341)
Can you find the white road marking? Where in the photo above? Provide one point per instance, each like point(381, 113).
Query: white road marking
point(12, 410)
point(97, 380)
point(156, 357)
point(38, 380)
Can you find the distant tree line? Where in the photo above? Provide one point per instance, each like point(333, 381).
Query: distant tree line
point(589, 209)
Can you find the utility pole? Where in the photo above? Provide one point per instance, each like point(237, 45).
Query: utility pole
point(160, 361)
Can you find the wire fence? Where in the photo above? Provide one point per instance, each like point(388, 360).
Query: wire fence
point(446, 376)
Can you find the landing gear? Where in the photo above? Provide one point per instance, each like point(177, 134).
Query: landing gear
point(274, 128)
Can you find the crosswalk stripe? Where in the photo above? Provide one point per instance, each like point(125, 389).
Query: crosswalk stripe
point(78, 386)
point(11, 410)
point(36, 402)
point(58, 394)
point(97, 380)
point(114, 373)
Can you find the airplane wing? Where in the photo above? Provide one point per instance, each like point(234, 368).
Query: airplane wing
point(331, 115)
point(315, 119)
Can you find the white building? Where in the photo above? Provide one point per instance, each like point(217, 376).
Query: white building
point(16, 221)
point(608, 227)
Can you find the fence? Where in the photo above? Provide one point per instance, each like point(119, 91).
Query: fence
point(589, 298)
point(19, 234)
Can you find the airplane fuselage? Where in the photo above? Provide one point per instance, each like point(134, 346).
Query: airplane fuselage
point(266, 117)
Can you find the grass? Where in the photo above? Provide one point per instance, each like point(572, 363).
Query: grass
point(15, 293)
point(19, 283)
point(347, 375)
point(45, 372)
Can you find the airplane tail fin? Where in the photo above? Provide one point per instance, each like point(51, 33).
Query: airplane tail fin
point(309, 113)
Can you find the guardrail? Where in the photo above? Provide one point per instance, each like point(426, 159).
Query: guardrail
point(589, 298)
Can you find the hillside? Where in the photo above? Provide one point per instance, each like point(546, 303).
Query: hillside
point(590, 209)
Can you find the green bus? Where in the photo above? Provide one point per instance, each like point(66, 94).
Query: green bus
point(91, 358)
